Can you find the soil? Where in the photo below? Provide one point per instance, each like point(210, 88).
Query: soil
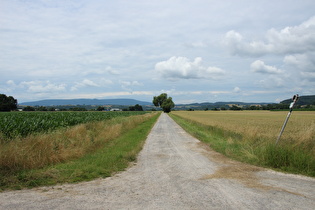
point(175, 171)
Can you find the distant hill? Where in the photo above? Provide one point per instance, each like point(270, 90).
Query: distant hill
point(62, 102)
point(303, 100)
point(207, 105)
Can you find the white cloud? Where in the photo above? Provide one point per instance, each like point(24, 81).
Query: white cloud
point(105, 82)
point(11, 83)
point(42, 87)
point(309, 76)
point(289, 40)
point(237, 90)
point(304, 62)
point(100, 71)
point(197, 44)
point(272, 82)
point(183, 68)
point(84, 83)
point(113, 72)
point(259, 66)
point(128, 85)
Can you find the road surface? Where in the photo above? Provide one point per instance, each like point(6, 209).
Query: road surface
point(175, 171)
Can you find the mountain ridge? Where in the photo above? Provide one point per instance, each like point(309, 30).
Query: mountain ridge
point(63, 102)
point(303, 100)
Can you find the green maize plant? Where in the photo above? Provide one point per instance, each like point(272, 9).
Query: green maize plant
point(22, 124)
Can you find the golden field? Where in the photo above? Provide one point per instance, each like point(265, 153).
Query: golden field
point(260, 124)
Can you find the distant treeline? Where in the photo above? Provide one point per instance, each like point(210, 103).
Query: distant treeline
point(272, 107)
point(137, 107)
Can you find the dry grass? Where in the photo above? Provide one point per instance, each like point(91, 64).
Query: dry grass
point(264, 125)
point(250, 136)
point(37, 151)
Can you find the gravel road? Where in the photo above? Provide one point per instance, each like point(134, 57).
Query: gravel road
point(175, 171)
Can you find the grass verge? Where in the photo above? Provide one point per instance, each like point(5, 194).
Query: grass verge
point(114, 155)
point(260, 152)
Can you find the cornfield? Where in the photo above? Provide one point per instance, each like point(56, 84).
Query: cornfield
point(22, 124)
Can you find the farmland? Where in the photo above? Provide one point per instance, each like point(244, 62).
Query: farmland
point(22, 124)
point(250, 136)
point(68, 146)
point(259, 124)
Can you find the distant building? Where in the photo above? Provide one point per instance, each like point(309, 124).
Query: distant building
point(114, 109)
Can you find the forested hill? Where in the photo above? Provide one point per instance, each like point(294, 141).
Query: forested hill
point(303, 100)
point(60, 102)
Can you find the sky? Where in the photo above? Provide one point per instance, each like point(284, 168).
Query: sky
point(193, 50)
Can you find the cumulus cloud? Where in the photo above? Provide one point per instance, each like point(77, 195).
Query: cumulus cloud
point(183, 68)
point(259, 66)
point(289, 40)
point(128, 85)
point(304, 63)
point(84, 83)
point(237, 90)
point(11, 83)
point(42, 87)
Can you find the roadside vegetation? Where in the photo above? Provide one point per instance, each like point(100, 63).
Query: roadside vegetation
point(250, 136)
point(71, 154)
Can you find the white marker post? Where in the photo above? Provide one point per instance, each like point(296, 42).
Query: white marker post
point(295, 98)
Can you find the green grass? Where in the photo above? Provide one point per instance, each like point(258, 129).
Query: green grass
point(115, 156)
point(260, 152)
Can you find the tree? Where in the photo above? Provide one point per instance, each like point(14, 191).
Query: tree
point(42, 109)
point(7, 103)
point(235, 108)
point(100, 108)
point(136, 107)
point(28, 108)
point(166, 103)
point(52, 109)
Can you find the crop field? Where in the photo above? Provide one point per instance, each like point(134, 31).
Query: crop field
point(68, 146)
point(22, 124)
point(259, 124)
point(250, 136)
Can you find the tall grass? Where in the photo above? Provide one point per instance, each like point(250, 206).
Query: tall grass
point(39, 150)
point(110, 147)
point(290, 156)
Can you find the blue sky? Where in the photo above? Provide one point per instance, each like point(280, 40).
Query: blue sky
point(194, 50)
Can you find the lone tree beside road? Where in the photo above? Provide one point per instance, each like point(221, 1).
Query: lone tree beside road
point(166, 103)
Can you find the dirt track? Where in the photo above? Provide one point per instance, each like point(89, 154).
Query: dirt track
point(175, 171)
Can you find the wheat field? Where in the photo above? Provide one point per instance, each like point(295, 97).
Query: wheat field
point(300, 129)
